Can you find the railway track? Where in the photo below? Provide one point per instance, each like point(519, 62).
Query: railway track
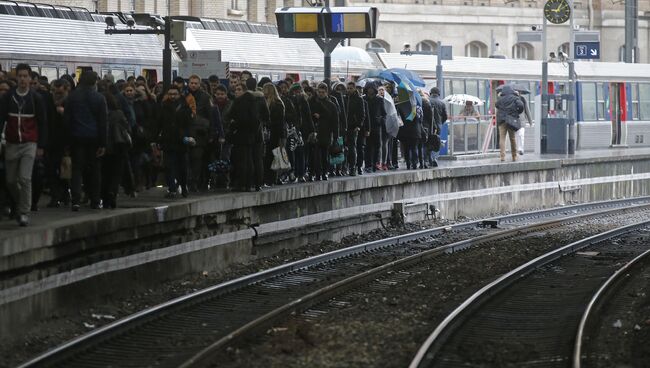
point(182, 330)
point(530, 317)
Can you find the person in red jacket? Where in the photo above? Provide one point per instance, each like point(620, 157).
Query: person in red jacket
point(23, 117)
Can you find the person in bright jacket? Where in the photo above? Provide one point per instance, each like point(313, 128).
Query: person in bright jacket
point(509, 106)
point(23, 117)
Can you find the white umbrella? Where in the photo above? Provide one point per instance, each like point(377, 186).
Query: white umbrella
point(461, 99)
point(393, 121)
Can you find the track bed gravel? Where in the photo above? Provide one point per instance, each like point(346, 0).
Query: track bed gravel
point(384, 324)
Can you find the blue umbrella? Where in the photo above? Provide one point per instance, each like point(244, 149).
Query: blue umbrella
point(412, 76)
point(407, 99)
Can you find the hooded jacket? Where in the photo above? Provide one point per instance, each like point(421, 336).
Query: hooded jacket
point(508, 105)
point(86, 113)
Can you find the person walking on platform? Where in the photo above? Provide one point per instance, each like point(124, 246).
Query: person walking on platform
point(249, 113)
point(509, 106)
point(356, 115)
point(525, 119)
point(439, 118)
point(326, 120)
point(85, 114)
point(173, 136)
point(23, 118)
point(118, 142)
point(56, 145)
point(200, 154)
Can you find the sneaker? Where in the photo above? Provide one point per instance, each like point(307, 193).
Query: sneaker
point(23, 220)
point(520, 152)
point(75, 208)
point(434, 163)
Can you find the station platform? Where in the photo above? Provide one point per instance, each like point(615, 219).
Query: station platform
point(64, 258)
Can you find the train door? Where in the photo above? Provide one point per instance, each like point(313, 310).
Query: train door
point(80, 69)
point(618, 113)
point(150, 75)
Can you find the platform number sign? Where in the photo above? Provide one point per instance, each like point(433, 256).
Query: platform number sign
point(587, 50)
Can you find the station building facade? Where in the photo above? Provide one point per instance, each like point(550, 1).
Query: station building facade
point(477, 28)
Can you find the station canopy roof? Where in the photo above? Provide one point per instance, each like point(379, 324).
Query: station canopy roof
point(65, 39)
point(249, 50)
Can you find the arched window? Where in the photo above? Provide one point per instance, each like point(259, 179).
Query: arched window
point(564, 48)
point(375, 45)
point(621, 53)
point(523, 50)
point(476, 49)
point(427, 46)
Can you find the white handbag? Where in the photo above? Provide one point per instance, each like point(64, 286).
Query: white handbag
point(280, 159)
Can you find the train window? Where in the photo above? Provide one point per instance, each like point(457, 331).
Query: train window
point(633, 113)
point(589, 102)
point(118, 74)
point(471, 87)
point(63, 71)
point(104, 72)
point(82, 14)
point(28, 9)
point(7, 7)
point(66, 13)
point(50, 72)
point(644, 101)
point(46, 11)
point(602, 98)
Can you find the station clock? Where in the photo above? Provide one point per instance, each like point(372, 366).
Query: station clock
point(557, 11)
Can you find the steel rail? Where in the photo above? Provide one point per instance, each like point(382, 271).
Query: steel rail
point(436, 339)
point(205, 357)
point(597, 299)
point(131, 321)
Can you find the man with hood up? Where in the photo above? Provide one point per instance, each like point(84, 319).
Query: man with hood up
point(509, 106)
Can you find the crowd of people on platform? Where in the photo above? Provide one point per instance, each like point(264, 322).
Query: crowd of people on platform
point(82, 141)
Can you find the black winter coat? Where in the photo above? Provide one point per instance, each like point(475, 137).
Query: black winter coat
point(509, 104)
point(428, 124)
point(277, 125)
point(175, 118)
point(376, 115)
point(248, 112)
point(439, 112)
point(327, 123)
point(303, 117)
point(355, 111)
